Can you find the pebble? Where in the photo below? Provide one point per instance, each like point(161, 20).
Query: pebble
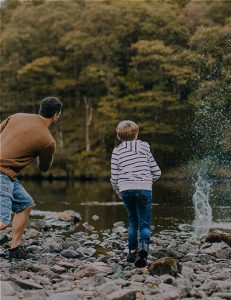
point(92, 265)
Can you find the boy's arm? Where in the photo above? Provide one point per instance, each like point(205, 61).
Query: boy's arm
point(114, 172)
point(155, 170)
point(46, 157)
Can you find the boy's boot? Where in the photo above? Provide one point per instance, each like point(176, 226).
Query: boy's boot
point(18, 252)
point(132, 256)
point(141, 262)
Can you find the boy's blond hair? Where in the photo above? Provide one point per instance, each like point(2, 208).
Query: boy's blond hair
point(127, 130)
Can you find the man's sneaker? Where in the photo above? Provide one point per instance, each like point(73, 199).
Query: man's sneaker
point(131, 258)
point(141, 262)
point(18, 252)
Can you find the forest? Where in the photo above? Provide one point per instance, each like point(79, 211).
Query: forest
point(163, 64)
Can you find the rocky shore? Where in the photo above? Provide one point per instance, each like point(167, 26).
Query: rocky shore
point(92, 265)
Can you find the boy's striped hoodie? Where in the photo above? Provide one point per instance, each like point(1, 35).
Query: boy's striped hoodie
point(133, 167)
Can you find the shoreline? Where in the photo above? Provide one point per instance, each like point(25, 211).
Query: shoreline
point(91, 265)
point(218, 179)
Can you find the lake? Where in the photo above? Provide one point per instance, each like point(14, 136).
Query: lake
point(172, 202)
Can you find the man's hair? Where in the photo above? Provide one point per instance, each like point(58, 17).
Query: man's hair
point(49, 107)
point(127, 130)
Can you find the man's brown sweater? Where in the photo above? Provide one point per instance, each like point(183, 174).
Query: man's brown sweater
point(22, 138)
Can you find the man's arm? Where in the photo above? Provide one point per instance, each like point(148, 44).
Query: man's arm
point(3, 124)
point(46, 157)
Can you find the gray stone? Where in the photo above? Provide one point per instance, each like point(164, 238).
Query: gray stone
point(95, 217)
point(118, 224)
point(103, 268)
point(86, 251)
point(32, 233)
point(124, 294)
point(52, 244)
point(167, 279)
point(106, 288)
point(85, 271)
point(6, 288)
point(221, 275)
point(205, 258)
point(34, 249)
point(9, 298)
point(72, 295)
point(74, 244)
point(119, 229)
point(58, 269)
point(57, 224)
point(67, 264)
point(69, 216)
point(225, 295)
point(26, 284)
point(168, 295)
point(219, 250)
point(138, 278)
point(98, 279)
point(88, 226)
point(94, 236)
point(68, 253)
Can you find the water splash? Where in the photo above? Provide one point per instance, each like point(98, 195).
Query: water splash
point(203, 210)
point(211, 149)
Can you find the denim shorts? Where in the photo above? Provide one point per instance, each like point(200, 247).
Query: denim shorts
point(13, 198)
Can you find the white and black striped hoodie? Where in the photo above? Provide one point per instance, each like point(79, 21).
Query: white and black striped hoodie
point(133, 167)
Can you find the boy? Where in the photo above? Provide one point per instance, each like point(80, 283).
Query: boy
point(133, 170)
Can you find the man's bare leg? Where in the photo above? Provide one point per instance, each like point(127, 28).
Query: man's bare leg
point(19, 223)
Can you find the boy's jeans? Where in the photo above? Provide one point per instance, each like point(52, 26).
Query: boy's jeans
point(138, 204)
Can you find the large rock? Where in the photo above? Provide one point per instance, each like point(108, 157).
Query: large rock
point(69, 253)
point(86, 251)
point(218, 236)
point(64, 296)
point(6, 288)
point(69, 216)
point(124, 294)
point(165, 265)
point(9, 298)
point(26, 284)
point(85, 271)
point(53, 244)
point(106, 288)
point(219, 250)
point(33, 233)
point(58, 269)
point(169, 295)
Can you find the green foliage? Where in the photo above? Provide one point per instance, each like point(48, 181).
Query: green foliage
point(154, 62)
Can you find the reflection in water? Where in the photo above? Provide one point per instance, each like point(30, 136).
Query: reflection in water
point(171, 202)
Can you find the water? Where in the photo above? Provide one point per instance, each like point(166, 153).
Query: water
point(203, 210)
point(211, 153)
point(206, 196)
point(172, 202)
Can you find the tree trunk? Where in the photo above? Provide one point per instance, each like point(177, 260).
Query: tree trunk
point(59, 135)
point(89, 111)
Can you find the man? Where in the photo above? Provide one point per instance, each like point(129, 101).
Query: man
point(23, 137)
